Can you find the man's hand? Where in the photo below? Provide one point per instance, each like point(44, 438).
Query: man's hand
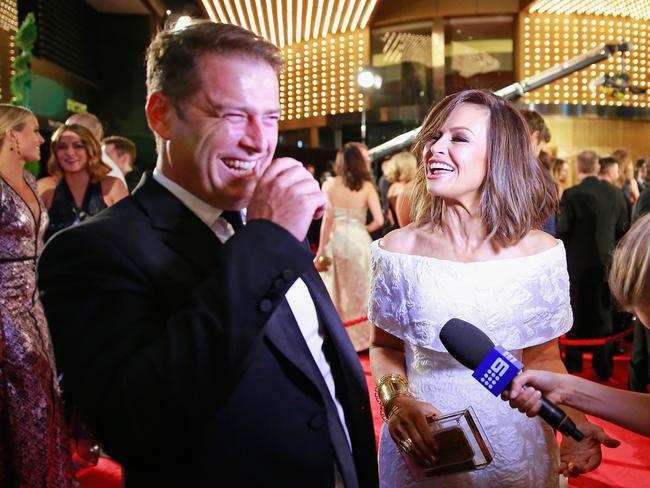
point(577, 458)
point(287, 195)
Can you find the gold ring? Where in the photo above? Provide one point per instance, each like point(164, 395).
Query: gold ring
point(406, 445)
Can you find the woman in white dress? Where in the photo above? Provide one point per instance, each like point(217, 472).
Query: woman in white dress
point(345, 238)
point(474, 251)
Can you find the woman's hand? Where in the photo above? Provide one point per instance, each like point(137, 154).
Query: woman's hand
point(526, 390)
point(322, 262)
point(577, 458)
point(408, 426)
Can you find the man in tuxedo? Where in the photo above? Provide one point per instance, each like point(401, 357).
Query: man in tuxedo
point(593, 216)
point(202, 352)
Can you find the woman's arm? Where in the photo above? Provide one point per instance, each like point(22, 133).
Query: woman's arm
point(634, 187)
point(407, 416)
point(113, 190)
point(628, 409)
point(575, 457)
point(374, 204)
point(403, 205)
point(326, 226)
point(45, 187)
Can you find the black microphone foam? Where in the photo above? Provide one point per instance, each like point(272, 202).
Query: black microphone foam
point(470, 346)
point(467, 344)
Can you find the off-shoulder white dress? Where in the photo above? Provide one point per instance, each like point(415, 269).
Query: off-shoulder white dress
point(518, 303)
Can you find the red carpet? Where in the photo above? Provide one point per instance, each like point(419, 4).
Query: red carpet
point(627, 466)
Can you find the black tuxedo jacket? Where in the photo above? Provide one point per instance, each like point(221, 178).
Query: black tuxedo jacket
point(184, 357)
point(593, 216)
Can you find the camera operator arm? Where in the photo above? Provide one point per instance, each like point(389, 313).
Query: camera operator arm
point(516, 90)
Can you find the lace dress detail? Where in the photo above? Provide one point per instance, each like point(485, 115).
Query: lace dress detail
point(518, 303)
point(348, 278)
point(33, 441)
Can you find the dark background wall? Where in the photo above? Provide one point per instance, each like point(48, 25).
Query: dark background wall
point(96, 59)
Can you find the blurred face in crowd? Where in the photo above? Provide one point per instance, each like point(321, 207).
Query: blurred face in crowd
point(564, 173)
point(456, 156)
point(71, 153)
point(122, 160)
point(226, 136)
point(28, 140)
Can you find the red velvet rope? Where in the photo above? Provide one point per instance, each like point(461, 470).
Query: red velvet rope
point(596, 342)
point(563, 340)
point(350, 323)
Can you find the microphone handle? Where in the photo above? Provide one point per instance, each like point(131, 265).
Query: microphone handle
point(556, 418)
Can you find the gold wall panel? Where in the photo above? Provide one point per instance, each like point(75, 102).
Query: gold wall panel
point(571, 135)
point(320, 76)
point(547, 40)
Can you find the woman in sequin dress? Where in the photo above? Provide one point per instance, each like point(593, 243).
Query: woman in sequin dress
point(33, 441)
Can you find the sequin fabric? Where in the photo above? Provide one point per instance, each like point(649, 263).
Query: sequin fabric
point(34, 449)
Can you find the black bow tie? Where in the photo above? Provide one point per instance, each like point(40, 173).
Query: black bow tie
point(233, 217)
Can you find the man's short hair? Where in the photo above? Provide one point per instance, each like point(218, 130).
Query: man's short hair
point(606, 163)
point(122, 145)
point(173, 57)
point(90, 122)
point(587, 161)
point(536, 123)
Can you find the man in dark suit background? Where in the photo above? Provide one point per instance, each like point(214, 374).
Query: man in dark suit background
point(202, 352)
point(593, 216)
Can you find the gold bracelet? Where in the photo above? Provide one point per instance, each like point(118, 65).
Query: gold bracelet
point(389, 387)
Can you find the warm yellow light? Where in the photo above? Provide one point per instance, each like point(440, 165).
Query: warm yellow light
point(240, 14)
point(210, 10)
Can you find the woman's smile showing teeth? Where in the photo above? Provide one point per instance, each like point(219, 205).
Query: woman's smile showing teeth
point(440, 167)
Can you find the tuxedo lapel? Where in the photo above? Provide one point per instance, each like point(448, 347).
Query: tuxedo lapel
point(283, 331)
point(185, 233)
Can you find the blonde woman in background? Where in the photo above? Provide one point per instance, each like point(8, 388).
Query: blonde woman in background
point(402, 168)
point(345, 238)
point(33, 441)
point(626, 179)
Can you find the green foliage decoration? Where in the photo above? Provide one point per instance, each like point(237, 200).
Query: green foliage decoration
point(21, 81)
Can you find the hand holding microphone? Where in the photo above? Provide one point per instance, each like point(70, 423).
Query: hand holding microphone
point(495, 368)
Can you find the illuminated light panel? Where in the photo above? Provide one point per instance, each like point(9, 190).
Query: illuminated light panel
point(240, 14)
point(635, 9)
point(316, 87)
point(210, 9)
point(286, 22)
point(260, 19)
point(583, 33)
point(278, 9)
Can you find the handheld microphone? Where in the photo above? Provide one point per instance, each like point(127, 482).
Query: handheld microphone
point(494, 367)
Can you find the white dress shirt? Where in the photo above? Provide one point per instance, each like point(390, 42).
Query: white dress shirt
point(298, 296)
point(115, 171)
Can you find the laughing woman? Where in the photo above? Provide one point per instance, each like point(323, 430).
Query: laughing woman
point(78, 186)
point(475, 251)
